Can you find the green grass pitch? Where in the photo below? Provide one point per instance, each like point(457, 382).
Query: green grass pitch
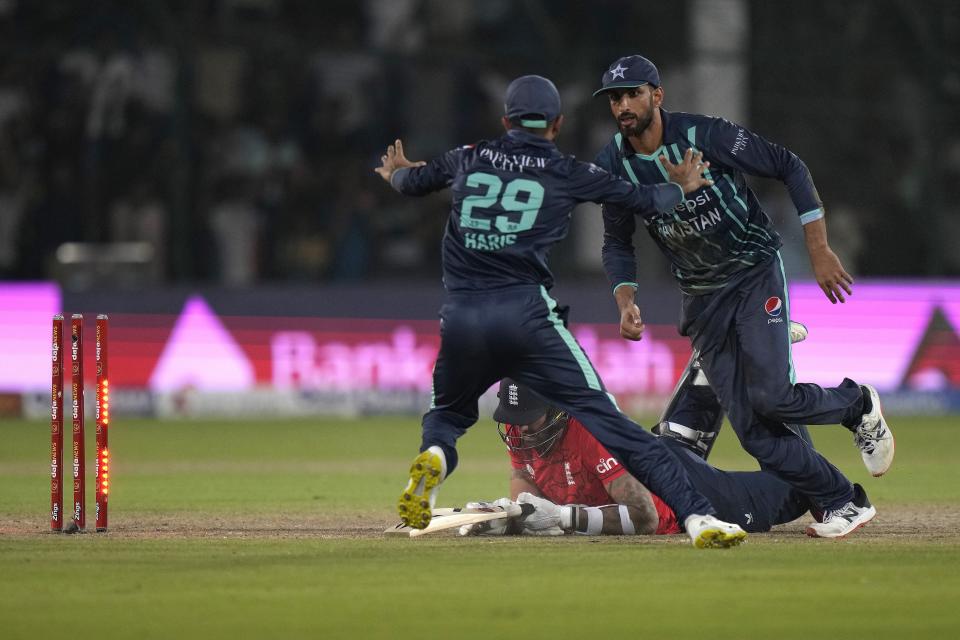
point(271, 529)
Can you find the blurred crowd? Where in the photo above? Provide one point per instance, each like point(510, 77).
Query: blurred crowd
point(238, 137)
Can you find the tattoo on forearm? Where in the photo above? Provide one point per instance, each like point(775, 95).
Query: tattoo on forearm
point(628, 491)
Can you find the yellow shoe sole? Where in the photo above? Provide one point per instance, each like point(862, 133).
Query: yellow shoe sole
point(413, 506)
point(716, 539)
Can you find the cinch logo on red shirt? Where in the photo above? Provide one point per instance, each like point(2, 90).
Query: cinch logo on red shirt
point(607, 465)
point(773, 306)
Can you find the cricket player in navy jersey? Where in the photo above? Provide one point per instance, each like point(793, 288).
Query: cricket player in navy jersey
point(512, 200)
point(724, 254)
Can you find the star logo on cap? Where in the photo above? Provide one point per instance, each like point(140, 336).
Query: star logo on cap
point(617, 72)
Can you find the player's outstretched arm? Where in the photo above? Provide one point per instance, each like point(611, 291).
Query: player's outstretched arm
point(830, 274)
point(629, 492)
point(633, 513)
point(395, 159)
point(689, 173)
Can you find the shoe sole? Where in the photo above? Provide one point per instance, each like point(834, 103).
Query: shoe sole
point(413, 507)
point(893, 441)
point(893, 449)
point(718, 539)
point(814, 534)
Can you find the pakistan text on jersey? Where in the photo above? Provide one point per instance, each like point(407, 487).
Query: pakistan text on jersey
point(695, 224)
point(511, 161)
point(488, 241)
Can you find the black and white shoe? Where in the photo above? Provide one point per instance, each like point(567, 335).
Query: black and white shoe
point(873, 437)
point(837, 523)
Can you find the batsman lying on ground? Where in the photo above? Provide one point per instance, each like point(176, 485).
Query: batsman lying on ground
point(576, 486)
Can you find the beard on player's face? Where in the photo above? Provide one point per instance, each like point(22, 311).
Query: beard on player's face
point(634, 128)
point(636, 115)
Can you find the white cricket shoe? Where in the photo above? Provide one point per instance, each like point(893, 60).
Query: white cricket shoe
point(874, 438)
point(837, 523)
point(428, 470)
point(706, 532)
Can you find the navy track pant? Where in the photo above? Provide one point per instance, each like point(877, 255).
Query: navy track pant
point(516, 333)
point(694, 405)
point(756, 500)
point(742, 335)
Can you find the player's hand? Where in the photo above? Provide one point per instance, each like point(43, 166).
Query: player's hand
point(498, 527)
point(395, 159)
point(689, 173)
point(631, 324)
point(830, 274)
point(544, 519)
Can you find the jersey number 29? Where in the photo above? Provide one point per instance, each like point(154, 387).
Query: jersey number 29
point(529, 207)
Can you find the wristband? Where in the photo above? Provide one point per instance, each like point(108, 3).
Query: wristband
point(588, 521)
point(626, 524)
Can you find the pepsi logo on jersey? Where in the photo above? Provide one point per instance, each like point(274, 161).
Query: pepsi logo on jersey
point(774, 307)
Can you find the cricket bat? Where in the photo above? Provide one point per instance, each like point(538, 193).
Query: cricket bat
point(446, 518)
point(457, 520)
point(401, 529)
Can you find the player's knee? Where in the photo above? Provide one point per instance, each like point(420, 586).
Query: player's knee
point(459, 418)
point(768, 403)
point(763, 449)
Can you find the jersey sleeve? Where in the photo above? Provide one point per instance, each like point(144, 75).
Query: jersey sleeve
point(619, 259)
point(589, 182)
point(730, 145)
point(619, 225)
point(435, 175)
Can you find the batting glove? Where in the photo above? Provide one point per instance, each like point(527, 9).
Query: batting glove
point(545, 519)
point(498, 527)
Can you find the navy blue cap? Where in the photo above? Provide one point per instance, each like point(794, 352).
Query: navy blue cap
point(533, 101)
point(519, 404)
point(628, 72)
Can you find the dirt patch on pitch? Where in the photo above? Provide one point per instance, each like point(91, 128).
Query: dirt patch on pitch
point(928, 523)
point(200, 525)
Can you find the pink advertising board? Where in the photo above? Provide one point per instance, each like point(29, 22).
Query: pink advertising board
point(898, 336)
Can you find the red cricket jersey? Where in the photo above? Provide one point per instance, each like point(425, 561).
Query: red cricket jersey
point(578, 469)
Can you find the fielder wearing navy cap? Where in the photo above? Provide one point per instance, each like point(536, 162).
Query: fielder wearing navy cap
point(629, 72)
point(532, 101)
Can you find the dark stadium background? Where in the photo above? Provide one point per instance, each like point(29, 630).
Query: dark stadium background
point(155, 151)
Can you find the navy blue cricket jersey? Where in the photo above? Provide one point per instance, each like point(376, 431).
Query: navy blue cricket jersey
point(512, 200)
point(717, 231)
